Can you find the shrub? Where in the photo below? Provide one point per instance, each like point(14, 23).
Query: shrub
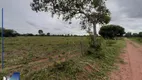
point(96, 47)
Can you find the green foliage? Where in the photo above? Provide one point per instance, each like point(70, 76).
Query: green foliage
point(128, 34)
point(40, 32)
point(140, 34)
point(48, 34)
point(96, 47)
point(111, 55)
point(110, 43)
point(2, 75)
point(137, 39)
point(135, 35)
point(88, 11)
point(9, 33)
point(112, 31)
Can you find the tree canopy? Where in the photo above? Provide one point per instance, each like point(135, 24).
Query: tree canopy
point(40, 32)
point(128, 34)
point(9, 33)
point(111, 31)
point(90, 12)
point(140, 34)
point(135, 35)
point(48, 34)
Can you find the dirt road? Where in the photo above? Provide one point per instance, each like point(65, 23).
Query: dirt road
point(132, 69)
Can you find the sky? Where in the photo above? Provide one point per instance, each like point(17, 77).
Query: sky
point(19, 16)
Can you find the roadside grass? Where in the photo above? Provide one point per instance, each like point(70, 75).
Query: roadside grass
point(136, 39)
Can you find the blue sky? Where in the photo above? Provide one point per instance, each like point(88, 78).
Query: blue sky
point(19, 16)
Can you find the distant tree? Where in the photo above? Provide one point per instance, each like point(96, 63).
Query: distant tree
point(135, 35)
point(29, 34)
point(71, 35)
point(43, 34)
point(40, 32)
point(36, 35)
point(75, 35)
point(111, 31)
point(68, 35)
point(90, 12)
point(128, 34)
point(140, 34)
point(9, 33)
point(48, 34)
point(62, 35)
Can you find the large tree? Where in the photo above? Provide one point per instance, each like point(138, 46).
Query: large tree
point(111, 31)
point(90, 12)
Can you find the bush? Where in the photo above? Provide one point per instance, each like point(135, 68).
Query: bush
point(96, 47)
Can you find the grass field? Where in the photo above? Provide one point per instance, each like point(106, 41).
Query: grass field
point(137, 39)
point(59, 58)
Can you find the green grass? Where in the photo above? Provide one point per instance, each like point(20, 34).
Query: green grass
point(137, 39)
point(25, 50)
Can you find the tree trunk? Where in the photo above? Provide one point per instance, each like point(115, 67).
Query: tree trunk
point(94, 31)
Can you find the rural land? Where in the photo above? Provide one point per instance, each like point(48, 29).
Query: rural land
point(44, 40)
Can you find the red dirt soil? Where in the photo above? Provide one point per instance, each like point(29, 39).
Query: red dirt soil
point(132, 70)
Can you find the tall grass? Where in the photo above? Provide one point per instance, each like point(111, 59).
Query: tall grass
point(137, 39)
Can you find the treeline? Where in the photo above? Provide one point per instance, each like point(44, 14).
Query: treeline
point(13, 33)
point(9, 33)
point(56, 35)
point(130, 34)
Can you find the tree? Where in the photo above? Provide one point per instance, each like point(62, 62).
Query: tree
point(48, 34)
point(135, 35)
point(29, 34)
point(140, 34)
point(111, 31)
point(90, 12)
point(40, 32)
point(9, 33)
point(128, 34)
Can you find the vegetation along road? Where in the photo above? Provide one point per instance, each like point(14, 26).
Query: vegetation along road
point(132, 70)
